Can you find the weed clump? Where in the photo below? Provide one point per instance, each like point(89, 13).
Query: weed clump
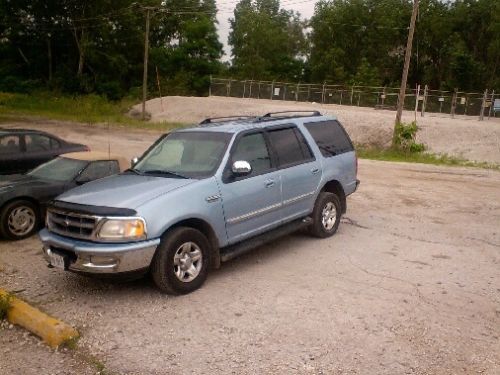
point(404, 139)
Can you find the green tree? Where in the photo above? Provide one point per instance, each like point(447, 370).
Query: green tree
point(266, 42)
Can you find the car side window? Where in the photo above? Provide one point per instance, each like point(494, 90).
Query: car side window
point(330, 137)
point(9, 144)
point(99, 169)
point(54, 144)
point(37, 143)
point(290, 146)
point(253, 149)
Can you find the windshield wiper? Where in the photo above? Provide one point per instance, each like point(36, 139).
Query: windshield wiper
point(133, 170)
point(161, 171)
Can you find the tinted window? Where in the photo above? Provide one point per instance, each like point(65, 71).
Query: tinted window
point(330, 137)
point(59, 169)
point(290, 147)
point(253, 149)
point(9, 144)
point(99, 169)
point(37, 143)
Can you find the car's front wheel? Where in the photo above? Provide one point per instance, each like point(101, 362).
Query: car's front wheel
point(181, 262)
point(19, 219)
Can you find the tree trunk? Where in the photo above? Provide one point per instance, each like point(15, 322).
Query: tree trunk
point(80, 44)
point(49, 57)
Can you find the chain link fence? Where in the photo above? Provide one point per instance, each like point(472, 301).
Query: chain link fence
point(423, 100)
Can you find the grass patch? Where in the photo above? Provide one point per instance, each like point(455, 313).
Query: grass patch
point(71, 344)
point(396, 155)
point(90, 109)
point(5, 302)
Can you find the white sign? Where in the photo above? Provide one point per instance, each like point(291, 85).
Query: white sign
point(441, 99)
point(276, 91)
point(462, 100)
point(496, 105)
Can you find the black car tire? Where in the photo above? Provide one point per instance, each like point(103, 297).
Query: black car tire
point(167, 272)
point(20, 206)
point(323, 202)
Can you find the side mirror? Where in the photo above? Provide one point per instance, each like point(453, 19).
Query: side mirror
point(241, 168)
point(134, 161)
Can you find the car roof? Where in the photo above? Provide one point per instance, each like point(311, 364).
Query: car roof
point(4, 131)
point(241, 124)
point(97, 156)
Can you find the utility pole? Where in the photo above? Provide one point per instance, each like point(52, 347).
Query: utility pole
point(404, 78)
point(146, 55)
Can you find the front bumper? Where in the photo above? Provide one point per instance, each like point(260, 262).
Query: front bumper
point(99, 258)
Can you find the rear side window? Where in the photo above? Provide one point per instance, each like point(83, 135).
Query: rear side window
point(290, 146)
point(37, 143)
point(330, 137)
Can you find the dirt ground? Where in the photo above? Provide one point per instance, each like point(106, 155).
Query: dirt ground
point(463, 136)
point(410, 284)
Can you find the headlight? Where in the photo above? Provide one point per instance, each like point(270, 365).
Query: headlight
point(123, 229)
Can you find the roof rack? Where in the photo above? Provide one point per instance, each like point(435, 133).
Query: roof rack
point(270, 115)
point(210, 120)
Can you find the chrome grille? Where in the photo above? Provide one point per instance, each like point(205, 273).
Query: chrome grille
point(71, 224)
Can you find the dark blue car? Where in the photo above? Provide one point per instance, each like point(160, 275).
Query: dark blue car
point(21, 150)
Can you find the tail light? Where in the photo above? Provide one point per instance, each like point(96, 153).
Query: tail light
point(86, 148)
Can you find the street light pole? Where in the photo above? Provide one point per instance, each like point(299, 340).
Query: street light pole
point(404, 78)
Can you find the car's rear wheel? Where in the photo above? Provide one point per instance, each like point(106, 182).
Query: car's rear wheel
point(19, 219)
point(181, 262)
point(326, 215)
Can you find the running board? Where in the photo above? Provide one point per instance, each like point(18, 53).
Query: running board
point(245, 246)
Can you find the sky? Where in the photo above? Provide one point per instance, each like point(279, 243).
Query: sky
point(225, 11)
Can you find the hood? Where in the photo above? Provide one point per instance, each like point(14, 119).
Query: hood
point(122, 191)
point(20, 180)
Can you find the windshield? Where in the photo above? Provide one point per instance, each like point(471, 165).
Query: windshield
point(59, 169)
point(185, 154)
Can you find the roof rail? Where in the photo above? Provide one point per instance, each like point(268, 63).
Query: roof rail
point(270, 115)
point(210, 120)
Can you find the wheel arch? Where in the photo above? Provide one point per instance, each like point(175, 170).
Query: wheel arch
point(23, 198)
point(334, 186)
point(207, 230)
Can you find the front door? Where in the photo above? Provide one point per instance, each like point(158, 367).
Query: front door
point(251, 203)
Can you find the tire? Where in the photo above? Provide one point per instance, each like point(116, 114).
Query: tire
point(19, 219)
point(323, 226)
point(172, 270)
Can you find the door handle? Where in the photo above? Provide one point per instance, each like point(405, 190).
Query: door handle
point(269, 183)
point(315, 170)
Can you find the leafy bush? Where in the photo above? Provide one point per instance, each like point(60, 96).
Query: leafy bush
point(405, 138)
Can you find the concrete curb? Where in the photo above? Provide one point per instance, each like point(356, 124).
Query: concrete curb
point(53, 331)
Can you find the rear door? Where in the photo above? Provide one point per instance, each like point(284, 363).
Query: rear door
point(299, 170)
point(251, 203)
point(39, 149)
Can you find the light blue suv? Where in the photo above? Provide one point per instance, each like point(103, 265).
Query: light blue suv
point(200, 196)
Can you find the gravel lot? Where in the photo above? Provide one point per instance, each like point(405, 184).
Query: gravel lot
point(463, 136)
point(410, 284)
